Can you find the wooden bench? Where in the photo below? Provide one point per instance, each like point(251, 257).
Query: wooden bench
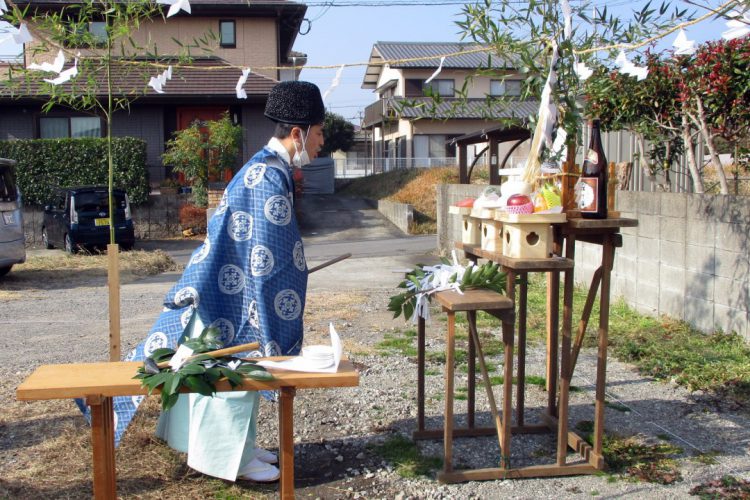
point(98, 383)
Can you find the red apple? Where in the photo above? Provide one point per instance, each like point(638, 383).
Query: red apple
point(518, 199)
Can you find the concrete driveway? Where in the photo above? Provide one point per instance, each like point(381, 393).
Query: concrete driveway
point(332, 226)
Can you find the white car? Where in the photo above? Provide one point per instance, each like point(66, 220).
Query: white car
point(12, 249)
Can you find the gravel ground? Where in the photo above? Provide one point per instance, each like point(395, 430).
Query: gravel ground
point(338, 431)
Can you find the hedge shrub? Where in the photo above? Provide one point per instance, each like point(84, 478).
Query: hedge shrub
point(44, 164)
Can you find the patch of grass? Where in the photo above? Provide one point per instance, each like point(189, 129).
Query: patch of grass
point(536, 380)
point(397, 343)
point(406, 458)
point(645, 462)
point(726, 487)
point(707, 458)
point(56, 267)
point(429, 372)
point(663, 348)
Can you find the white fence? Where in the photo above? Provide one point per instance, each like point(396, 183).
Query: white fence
point(360, 167)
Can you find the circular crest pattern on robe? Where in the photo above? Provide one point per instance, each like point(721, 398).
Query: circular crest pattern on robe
point(249, 299)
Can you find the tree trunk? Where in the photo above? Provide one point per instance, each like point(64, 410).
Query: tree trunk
point(709, 138)
point(645, 168)
point(692, 164)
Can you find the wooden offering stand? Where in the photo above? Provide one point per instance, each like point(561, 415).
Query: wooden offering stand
point(562, 354)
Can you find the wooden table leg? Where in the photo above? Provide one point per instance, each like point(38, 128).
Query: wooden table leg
point(420, 372)
point(562, 423)
point(471, 317)
point(608, 255)
point(103, 444)
point(508, 376)
point(450, 346)
point(286, 442)
point(553, 328)
point(521, 380)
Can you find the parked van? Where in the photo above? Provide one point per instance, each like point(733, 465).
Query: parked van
point(78, 217)
point(12, 250)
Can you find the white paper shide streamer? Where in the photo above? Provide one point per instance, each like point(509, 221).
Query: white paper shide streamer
point(66, 75)
point(437, 71)
point(739, 25)
point(22, 35)
point(55, 67)
point(683, 46)
point(334, 83)
point(157, 82)
point(240, 87)
point(628, 68)
point(175, 6)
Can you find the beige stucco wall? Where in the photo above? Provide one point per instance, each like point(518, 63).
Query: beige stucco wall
point(256, 41)
point(478, 87)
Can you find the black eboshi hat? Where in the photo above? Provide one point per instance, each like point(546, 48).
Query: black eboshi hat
point(296, 103)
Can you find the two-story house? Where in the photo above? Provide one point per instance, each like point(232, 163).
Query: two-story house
point(412, 122)
point(258, 35)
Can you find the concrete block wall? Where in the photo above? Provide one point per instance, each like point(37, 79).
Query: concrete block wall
point(688, 258)
point(400, 214)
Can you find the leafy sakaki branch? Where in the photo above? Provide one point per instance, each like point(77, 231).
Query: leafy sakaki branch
point(424, 281)
point(200, 372)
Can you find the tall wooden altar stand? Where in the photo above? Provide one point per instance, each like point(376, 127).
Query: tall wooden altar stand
point(561, 358)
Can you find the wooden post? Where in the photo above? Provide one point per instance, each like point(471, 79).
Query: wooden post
point(471, 317)
point(420, 373)
point(450, 347)
point(286, 443)
point(565, 373)
point(608, 255)
point(463, 170)
point(103, 447)
point(113, 281)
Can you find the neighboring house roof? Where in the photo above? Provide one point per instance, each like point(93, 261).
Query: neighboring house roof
point(208, 78)
point(290, 13)
point(427, 55)
point(468, 109)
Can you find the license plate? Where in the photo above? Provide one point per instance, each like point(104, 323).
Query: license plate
point(102, 222)
point(8, 218)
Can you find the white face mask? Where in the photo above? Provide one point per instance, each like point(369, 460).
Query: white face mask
point(301, 158)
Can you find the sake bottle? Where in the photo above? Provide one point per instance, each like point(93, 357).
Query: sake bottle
point(592, 187)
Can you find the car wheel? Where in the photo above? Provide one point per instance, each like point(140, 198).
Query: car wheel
point(69, 246)
point(4, 270)
point(45, 239)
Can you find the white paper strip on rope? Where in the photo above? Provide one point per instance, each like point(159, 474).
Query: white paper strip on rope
point(582, 71)
point(437, 71)
point(3, 7)
point(239, 88)
point(175, 6)
point(683, 46)
point(334, 83)
point(55, 67)
point(739, 25)
point(157, 82)
point(22, 35)
point(568, 18)
point(66, 75)
point(628, 68)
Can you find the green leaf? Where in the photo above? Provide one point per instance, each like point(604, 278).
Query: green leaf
point(259, 375)
point(196, 384)
point(192, 368)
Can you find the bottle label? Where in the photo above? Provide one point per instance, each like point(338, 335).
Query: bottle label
point(588, 200)
point(592, 156)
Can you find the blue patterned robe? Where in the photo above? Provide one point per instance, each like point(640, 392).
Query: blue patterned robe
point(249, 277)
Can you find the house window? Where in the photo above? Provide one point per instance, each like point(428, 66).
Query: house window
point(416, 87)
point(227, 34)
point(60, 127)
point(98, 30)
point(433, 150)
point(505, 88)
point(443, 88)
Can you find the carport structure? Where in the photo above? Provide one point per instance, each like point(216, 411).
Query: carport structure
point(494, 136)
